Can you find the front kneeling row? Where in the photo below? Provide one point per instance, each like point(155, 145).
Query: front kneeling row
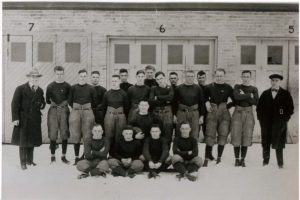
point(129, 156)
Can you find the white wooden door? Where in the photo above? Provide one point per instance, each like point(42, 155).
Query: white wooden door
point(17, 62)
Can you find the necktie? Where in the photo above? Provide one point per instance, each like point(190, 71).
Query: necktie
point(274, 90)
point(33, 88)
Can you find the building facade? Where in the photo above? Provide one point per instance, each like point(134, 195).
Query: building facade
point(172, 37)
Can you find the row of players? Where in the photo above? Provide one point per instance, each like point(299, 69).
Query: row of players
point(129, 156)
point(205, 105)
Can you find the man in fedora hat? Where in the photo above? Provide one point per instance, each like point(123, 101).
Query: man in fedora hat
point(274, 109)
point(27, 102)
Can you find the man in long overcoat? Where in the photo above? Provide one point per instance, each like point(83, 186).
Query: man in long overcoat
point(274, 109)
point(27, 102)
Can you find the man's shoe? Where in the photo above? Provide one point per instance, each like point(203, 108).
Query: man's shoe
point(81, 176)
point(265, 162)
point(64, 160)
point(31, 163)
point(205, 163)
point(53, 159)
point(131, 173)
point(218, 160)
point(243, 163)
point(210, 157)
point(280, 166)
point(23, 166)
point(237, 163)
point(152, 174)
point(179, 176)
point(190, 177)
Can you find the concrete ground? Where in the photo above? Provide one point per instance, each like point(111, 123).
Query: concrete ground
point(223, 181)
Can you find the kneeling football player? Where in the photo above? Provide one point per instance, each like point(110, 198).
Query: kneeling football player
point(185, 149)
point(95, 154)
point(156, 152)
point(126, 159)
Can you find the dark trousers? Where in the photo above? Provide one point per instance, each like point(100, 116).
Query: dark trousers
point(26, 154)
point(279, 155)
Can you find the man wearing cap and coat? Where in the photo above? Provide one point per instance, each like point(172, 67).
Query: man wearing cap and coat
point(27, 102)
point(274, 109)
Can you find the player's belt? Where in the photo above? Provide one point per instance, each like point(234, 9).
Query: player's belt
point(185, 108)
point(77, 106)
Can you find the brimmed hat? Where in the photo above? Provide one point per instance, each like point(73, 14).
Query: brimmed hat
point(276, 76)
point(34, 73)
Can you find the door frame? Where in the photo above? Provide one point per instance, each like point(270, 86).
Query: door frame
point(116, 37)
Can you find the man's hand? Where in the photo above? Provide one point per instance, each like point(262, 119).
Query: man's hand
point(190, 152)
point(139, 136)
point(201, 120)
point(208, 106)
point(151, 165)
point(251, 95)
point(242, 92)
point(103, 148)
point(16, 123)
point(157, 165)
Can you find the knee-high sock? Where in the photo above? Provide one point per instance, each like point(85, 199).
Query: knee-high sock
point(236, 152)
point(64, 146)
point(220, 150)
point(76, 149)
point(52, 147)
point(208, 151)
point(244, 152)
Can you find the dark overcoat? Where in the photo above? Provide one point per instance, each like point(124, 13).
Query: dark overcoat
point(26, 107)
point(273, 115)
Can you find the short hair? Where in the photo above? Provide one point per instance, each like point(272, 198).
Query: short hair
point(97, 125)
point(246, 72)
point(145, 100)
point(173, 73)
point(140, 72)
point(155, 126)
point(159, 73)
point(220, 70)
point(149, 67)
point(123, 71)
point(128, 127)
point(184, 122)
point(201, 73)
point(82, 71)
point(59, 68)
point(95, 72)
point(115, 76)
point(189, 71)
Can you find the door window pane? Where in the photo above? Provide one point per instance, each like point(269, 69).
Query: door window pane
point(296, 55)
point(45, 52)
point(72, 53)
point(175, 54)
point(148, 54)
point(248, 55)
point(18, 52)
point(274, 55)
point(201, 54)
point(122, 53)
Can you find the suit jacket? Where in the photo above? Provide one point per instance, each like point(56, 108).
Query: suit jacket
point(280, 108)
point(26, 107)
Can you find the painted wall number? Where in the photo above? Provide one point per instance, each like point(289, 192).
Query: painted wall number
point(162, 29)
point(291, 29)
point(31, 27)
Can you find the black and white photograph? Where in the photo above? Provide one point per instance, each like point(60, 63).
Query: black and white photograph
point(150, 100)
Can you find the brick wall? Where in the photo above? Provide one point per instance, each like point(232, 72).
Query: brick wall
point(97, 25)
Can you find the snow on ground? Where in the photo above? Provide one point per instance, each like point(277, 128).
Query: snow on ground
point(224, 181)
